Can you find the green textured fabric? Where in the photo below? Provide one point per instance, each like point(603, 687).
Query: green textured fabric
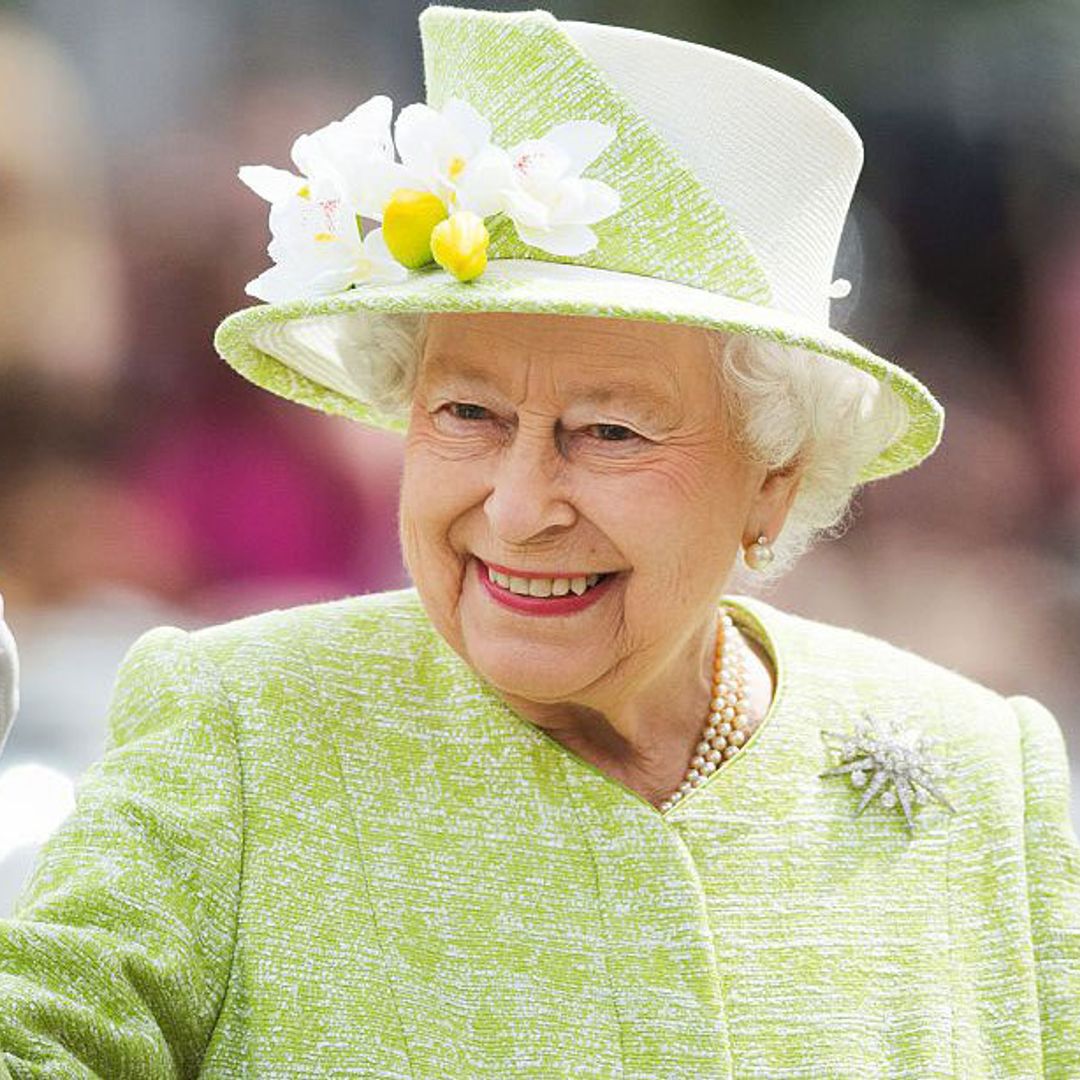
point(317, 845)
point(525, 74)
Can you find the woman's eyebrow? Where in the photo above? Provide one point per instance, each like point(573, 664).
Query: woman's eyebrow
point(651, 402)
point(453, 373)
point(447, 366)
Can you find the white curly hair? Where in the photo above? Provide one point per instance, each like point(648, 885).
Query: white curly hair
point(785, 405)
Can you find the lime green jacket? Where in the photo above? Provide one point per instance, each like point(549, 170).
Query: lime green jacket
point(317, 845)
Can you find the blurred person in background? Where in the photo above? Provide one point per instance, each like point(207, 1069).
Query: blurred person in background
point(85, 565)
point(1053, 352)
point(566, 805)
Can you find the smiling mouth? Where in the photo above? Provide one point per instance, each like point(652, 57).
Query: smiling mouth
point(544, 587)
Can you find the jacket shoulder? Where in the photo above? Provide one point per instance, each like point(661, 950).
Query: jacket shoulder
point(392, 625)
point(868, 670)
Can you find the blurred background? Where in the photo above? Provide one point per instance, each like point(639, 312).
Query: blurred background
point(143, 482)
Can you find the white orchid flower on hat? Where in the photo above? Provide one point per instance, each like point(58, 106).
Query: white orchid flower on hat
point(449, 152)
point(355, 155)
point(455, 175)
point(550, 203)
point(318, 249)
point(450, 171)
point(537, 183)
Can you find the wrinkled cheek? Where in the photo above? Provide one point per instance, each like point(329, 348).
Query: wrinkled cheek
point(419, 528)
point(427, 510)
point(406, 525)
point(408, 538)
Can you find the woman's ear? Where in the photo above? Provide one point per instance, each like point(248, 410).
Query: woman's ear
point(774, 498)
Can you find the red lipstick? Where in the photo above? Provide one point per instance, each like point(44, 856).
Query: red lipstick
point(540, 605)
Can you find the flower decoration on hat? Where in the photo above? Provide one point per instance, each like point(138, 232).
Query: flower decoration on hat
point(431, 206)
point(318, 248)
point(551, 204)
point(893, 764)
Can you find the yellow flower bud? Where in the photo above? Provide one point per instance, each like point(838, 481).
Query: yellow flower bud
point(460, 244)
point(408, 219)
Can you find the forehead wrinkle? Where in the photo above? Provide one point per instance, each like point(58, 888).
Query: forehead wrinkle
point(587, 338)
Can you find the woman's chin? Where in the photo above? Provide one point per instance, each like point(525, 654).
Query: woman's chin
point(535, 673)
point(525, 655)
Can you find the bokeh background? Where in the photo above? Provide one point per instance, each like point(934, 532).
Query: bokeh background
point(142, 482)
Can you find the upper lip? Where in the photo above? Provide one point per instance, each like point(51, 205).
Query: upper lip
point(547, 574)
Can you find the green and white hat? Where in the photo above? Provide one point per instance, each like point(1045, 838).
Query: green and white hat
point(567, 168)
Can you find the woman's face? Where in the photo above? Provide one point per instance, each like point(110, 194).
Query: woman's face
point(553, 448)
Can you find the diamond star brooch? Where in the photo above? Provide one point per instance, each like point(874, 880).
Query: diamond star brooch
point(891, 763)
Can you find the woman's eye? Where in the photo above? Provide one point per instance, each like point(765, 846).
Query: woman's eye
point(464, 410)
point(614, 432)
point(466, 420)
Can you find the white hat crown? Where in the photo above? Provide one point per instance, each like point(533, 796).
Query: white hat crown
point(735, 178)
point(780, 158)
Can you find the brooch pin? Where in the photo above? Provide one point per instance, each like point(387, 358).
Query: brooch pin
point(892, 764)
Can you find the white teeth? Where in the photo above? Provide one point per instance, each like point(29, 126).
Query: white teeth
point(543, 587)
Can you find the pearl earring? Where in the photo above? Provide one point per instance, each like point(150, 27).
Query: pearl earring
point(759, 554)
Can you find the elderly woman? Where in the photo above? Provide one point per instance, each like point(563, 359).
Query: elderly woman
point(568, 806)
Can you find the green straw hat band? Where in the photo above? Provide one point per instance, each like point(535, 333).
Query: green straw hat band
point(687, 185)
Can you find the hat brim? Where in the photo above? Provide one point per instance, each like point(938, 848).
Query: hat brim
point(294, 349)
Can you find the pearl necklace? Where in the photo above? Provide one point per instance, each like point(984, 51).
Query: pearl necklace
point(727, 728)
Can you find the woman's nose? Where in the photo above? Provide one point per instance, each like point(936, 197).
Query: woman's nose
point(528, 495)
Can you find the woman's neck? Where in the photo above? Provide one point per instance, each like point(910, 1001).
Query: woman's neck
point(647, 741)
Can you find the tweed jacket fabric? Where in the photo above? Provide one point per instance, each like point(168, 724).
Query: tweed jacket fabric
point(317, 845)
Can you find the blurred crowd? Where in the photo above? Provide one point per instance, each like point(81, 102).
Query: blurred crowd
point(143, 482)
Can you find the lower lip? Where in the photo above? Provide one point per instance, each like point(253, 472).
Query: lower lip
point(538, 605)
